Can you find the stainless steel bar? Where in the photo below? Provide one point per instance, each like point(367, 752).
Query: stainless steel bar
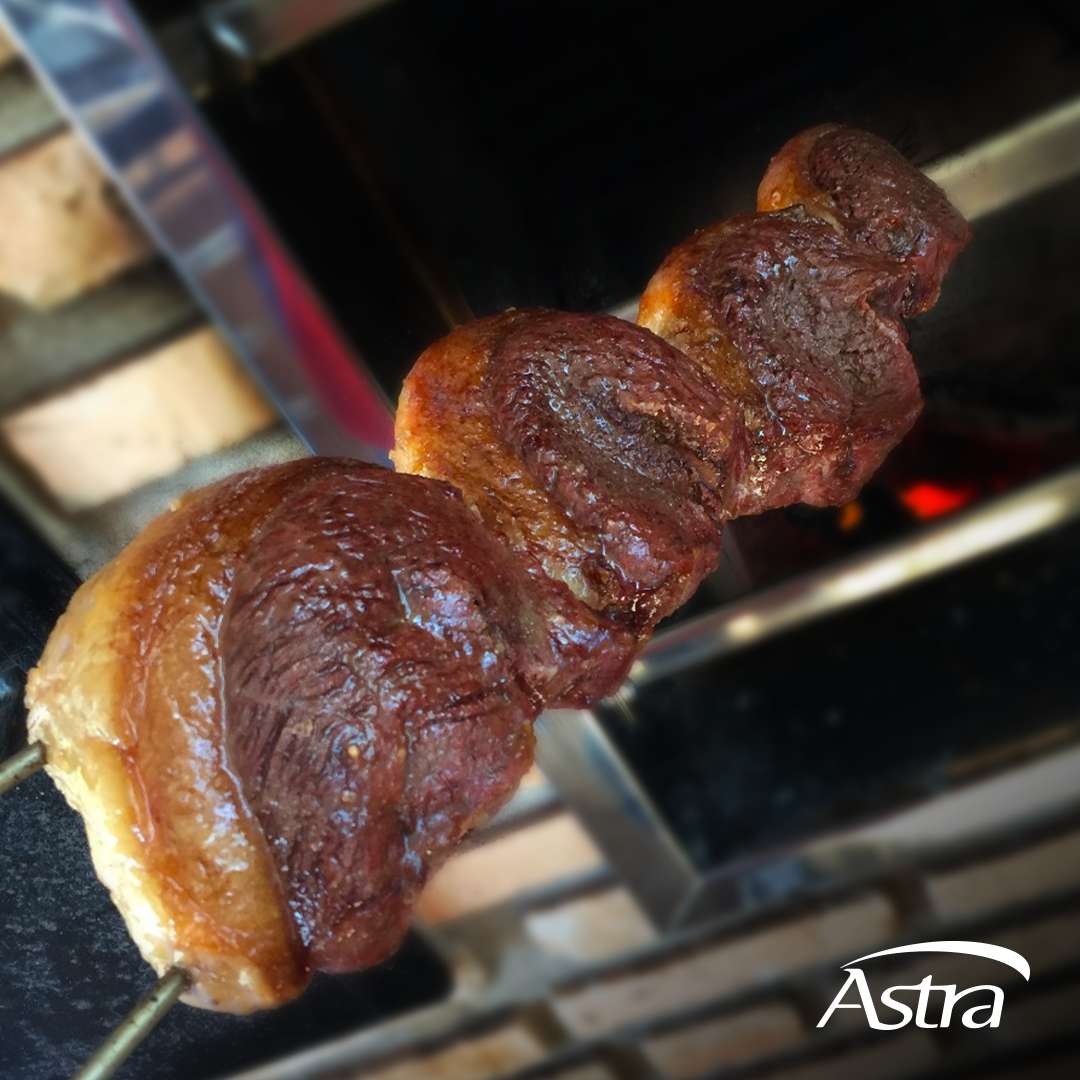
point(260, 31)
point(138, 1023)
point(1031, 157)
point(953, 823)
point(107, 77)
point(21, 765)
point(577, 756)
point(1002, 521)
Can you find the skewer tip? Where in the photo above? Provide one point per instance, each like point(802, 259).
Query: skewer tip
point(21, 765)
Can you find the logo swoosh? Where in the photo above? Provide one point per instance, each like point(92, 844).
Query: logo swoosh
point(972, 948)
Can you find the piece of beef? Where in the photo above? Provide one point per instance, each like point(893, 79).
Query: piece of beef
point(599, 454)
point(290, 697)
point(445, 429)
point(379, 654)
point(870, 192)
point(801, 326)
point(632, 440)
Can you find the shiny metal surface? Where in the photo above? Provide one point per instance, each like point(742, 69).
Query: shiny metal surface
point(107, 77)
point(20, 765)
point(259, 31)
point(1030, 157)
point(581, 761)
point(1005, 520)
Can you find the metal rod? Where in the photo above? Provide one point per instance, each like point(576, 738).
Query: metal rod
point(1004, 520)
point(1006, 168)
point(107, 77)
point(135, 1027)
point(21, 765)
point(577, 755)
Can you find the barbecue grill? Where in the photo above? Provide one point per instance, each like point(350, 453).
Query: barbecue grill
point(863, 730)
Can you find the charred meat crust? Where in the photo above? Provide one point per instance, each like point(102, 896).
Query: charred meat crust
point(803, 327)
point(377, 653)
point(445, 429)
point(867, 190)
point(630, 439)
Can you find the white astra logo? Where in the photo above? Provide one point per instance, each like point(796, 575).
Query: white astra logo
point(975, 1017)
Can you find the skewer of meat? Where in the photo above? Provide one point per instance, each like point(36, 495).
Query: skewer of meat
point(282, 704)
point(609, 461)
point(289, 698)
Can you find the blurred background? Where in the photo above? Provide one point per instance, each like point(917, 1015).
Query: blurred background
point(227, 230)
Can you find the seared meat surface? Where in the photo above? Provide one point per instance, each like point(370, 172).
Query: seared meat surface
point(446, 429)
point(803, 329)
point(869, 192)
point(380, 652)
point(290, 697)
point(619, 448)
point(280, 707)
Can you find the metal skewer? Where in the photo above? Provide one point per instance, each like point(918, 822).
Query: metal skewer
point(21, 765)
point(138, 1023)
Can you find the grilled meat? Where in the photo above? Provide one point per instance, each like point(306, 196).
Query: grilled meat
point(288, 699)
